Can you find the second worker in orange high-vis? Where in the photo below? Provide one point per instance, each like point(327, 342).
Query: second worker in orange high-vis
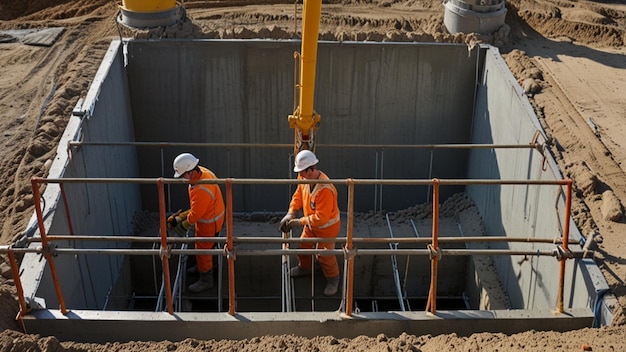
point(321, 219)
point(206, 212)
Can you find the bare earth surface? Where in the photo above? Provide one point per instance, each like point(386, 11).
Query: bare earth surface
point(568, 55)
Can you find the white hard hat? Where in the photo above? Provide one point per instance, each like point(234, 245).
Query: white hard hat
point(305, 159)
point(183, 163)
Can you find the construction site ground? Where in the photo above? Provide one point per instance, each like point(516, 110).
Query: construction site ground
point(568, 55)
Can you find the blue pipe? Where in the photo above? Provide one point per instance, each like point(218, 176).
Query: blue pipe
point(596, 307)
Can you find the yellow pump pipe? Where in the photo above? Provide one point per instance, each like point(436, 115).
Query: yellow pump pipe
point(304, 119)
point(148, 5)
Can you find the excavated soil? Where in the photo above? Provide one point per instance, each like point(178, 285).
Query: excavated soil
point(567, 54)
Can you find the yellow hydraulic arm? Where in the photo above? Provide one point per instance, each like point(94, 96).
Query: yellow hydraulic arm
point(305, 121)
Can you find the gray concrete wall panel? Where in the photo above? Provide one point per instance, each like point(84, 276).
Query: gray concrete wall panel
point(95, 208)
point(504, 116)
point(242, 92)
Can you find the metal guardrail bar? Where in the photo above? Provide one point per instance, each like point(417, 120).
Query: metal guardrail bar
point(433, 251)
point(535, 145)
point(266, 240)
point(275, 252)
point(287, 181)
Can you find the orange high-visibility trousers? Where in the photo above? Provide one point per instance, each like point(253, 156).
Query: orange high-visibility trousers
point(205, 262)
point(327, 262)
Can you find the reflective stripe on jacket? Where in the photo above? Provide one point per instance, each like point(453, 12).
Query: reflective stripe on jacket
point(319, 205)
point(206, 204)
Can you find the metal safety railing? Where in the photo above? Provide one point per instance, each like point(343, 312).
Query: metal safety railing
point(348, 250)
point(534, 144)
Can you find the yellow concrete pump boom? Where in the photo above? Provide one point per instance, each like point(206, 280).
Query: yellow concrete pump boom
point(305, 121)
point(148, 5)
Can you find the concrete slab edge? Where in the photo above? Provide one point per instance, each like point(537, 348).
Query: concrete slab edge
point(110, 326)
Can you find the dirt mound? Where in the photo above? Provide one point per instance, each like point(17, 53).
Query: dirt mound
point(8, 305)
point(42, 10)
point(583, 22)
point(40, 86)
point(603, 339)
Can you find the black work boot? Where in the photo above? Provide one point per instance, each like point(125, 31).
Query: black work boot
point(193, 270)
point(205, 282)
point(332, 285)
point(297, 271)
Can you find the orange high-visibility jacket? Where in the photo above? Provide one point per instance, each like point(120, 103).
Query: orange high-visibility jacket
point(207, 205)
point(319, 205)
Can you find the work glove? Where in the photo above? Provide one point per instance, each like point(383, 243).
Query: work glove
point(293, 224)
point(176, 218)
point(172, 220)
point(283, 223)
point(182, 227)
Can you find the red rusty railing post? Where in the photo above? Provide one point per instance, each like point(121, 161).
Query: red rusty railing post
point(564, 245)
point(432, 295)
point(47, 250)
point(165, 253)
point(18, 287)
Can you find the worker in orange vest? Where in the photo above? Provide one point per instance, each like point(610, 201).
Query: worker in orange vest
point(321, 219)
point(206, 212)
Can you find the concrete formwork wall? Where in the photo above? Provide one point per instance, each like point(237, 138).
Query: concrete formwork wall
point(504, 116)
point(94, 208)
point(441, 83)
point(243, 91)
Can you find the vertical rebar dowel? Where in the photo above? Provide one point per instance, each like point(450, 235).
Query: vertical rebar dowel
point(229, 246)
point(286, 279)
point(382, 177)
point(350, 258)
point(67, 209)
point(430, 172)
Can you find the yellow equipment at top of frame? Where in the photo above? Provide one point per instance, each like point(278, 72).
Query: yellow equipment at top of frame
point(305, 121)
point(148, 6)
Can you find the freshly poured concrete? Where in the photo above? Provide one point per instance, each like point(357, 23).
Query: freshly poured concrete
point(368, 94)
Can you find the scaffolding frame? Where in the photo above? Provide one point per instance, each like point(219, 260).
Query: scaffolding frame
point(562, 251)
